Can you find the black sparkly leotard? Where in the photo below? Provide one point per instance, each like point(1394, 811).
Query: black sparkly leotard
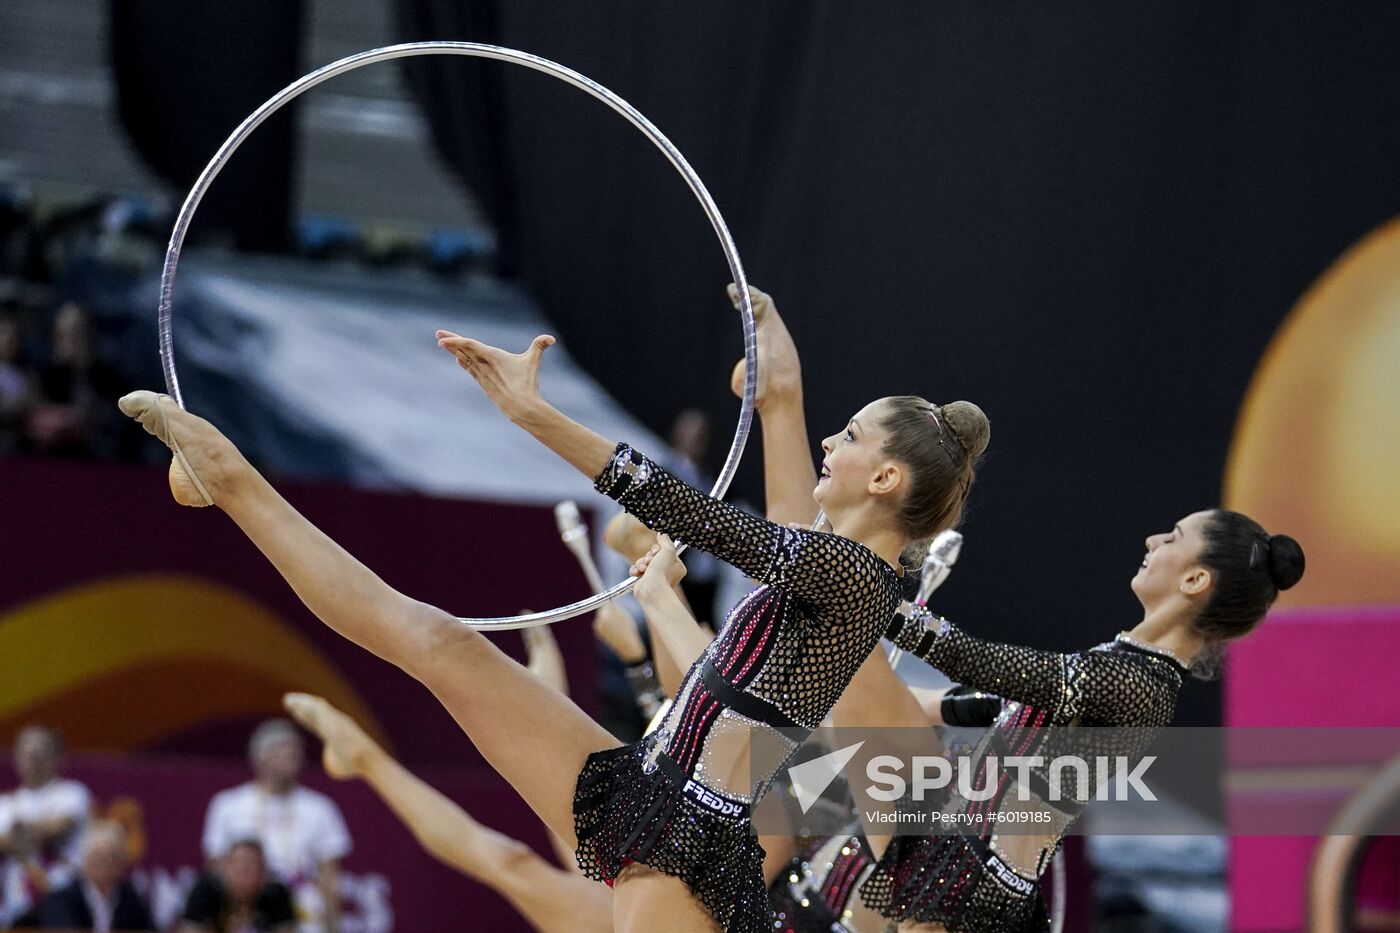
point(780, 661)
point(814, 894)
point(818, 890)
point(965, 878)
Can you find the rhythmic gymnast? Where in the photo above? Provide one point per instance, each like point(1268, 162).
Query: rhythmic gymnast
point(666, 820)
point(817, 891)
point(1208, 582)
point(808, 889)
point(812, 889)
point(552, 899)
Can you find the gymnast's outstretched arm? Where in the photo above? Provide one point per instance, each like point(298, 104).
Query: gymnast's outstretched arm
point(615, 628)
point(788, 474)
point(633, 541)
point(552, 899)
point(512, 382)
point(673, 629)
point(1098, 686)
point(800, 562)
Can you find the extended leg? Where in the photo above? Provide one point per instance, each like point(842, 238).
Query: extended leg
point(550, 898)
point(646, 900)
point(535, 738)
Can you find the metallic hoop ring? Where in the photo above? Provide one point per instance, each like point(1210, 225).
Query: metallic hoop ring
point(567, 75)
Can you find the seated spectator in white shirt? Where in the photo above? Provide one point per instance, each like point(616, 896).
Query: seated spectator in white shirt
point(302, 833)
point(239, 897)
point(41, 823)
point(101, 899)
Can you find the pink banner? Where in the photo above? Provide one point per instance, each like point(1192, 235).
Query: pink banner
point(1316, 667)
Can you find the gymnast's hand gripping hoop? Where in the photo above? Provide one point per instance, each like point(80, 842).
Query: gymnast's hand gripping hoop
point(568, 76)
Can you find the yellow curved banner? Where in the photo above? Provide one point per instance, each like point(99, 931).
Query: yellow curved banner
point(1316, 452)
point(121, 664)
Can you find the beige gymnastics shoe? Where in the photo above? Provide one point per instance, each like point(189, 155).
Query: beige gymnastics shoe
point(346, 744)
point(147, 408)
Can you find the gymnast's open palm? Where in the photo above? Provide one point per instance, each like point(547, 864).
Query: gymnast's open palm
point(510, 380)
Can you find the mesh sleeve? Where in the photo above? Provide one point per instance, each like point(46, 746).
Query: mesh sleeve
point(824, 569)
point(1091, 686)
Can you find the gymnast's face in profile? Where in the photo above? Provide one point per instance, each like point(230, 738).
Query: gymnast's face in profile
point(1172, 564)
point(855, 467)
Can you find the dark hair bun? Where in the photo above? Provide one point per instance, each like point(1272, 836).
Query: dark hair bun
point(1285, 561)
point(969, 425)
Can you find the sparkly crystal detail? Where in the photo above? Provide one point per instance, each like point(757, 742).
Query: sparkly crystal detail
point(1127, 639)
point(815, 893)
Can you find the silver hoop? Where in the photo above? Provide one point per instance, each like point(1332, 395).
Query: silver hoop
point(567, 75)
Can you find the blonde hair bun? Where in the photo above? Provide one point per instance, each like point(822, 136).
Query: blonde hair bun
point(969, 424)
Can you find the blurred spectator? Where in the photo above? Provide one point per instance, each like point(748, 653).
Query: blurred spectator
point(40, 823)
point(239, 897)
point(16, 385)
point(75, 415)
point(67, 233)
point(101, 899)
point(16, 231)
point(302, 833)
